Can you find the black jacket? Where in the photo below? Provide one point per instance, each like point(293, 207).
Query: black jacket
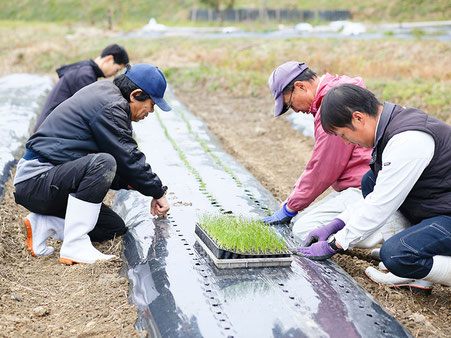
point(73, 77)
point(97, 119)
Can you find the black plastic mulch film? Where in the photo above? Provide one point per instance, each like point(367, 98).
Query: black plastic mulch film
point(177, 289)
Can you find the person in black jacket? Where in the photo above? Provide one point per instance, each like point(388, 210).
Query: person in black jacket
point(75, 76)
point(84, 148)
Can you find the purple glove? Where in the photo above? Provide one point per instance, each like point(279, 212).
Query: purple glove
point(319, 251)
point(323, 233)
point(282, 216)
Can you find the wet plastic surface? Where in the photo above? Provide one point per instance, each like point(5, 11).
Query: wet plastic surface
point(180, 293)
point(177, 290)
point(21, 97)
point(302, 123)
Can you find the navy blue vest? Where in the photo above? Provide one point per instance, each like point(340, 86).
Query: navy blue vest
point(431, 194)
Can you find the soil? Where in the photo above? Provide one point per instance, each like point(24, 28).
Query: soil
point(276, 155)
point(42, 297)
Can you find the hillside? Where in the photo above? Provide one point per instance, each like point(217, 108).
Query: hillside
point(138, 12)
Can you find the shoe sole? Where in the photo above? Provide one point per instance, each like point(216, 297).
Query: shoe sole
point(413, 288)
point(26, 229)
point(68, 261)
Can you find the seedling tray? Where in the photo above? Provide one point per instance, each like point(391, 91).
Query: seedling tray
point(227, 259)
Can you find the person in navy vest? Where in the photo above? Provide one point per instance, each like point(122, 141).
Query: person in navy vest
point(410, 171)
point(84, 148)
point(77, 75)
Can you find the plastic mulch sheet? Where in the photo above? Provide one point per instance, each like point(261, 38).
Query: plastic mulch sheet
point(21, 97)
point(177, 289)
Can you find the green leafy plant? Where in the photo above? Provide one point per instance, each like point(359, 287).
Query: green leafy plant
point(241, 234)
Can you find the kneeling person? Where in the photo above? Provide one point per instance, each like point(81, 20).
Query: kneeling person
point(410, 171)
point(84, 148)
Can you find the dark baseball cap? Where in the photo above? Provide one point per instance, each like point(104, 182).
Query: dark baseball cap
point(151, 80)
point(280, 78)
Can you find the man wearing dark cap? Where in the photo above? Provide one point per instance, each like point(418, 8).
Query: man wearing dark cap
point(84, 148)
point(333, 164)
point(75, 76)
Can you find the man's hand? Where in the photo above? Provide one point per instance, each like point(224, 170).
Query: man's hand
point(159, 207)
point(323, 233)
point(282, 216)
point(319, 251)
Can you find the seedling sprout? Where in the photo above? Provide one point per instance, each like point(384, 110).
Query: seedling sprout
point(242, 235)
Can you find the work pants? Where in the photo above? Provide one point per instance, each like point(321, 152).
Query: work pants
point(88, 179)
point(410, 253)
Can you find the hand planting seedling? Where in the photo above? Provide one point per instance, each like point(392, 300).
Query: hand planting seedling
point(242, 235)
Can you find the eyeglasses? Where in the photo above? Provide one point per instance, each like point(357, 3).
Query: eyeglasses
point(288, 106)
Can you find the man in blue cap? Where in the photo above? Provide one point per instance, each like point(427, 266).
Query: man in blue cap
point(83, 149)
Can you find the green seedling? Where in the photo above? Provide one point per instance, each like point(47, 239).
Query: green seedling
point(242, 235)
point(208, 150)
point(217, 160)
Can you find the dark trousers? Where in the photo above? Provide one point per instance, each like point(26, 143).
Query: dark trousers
point(410, 253)
point(88, 178)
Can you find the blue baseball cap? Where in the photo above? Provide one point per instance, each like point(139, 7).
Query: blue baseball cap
point(151, 80)
point(280, 78)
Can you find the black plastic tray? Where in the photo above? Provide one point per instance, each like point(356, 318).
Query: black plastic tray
point(228, 254)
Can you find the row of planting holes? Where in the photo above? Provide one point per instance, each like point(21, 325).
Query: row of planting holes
point(226, 169)
point(197, 175)
point(212, 300)
point(347, 291)
point(282, 285)
point(221, 209)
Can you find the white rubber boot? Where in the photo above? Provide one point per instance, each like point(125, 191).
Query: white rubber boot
point(376, 254)
point(38, 228)
point(395, 224)
point(370, 242)
point(441, 270)
point(391, 280)
point(381, 266)
point(81, 218)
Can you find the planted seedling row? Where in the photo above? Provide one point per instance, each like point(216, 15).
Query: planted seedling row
point(221, 164)
point(202, 185)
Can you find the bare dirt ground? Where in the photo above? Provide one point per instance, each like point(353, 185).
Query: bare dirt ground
point(276, 155)
point(42, 297)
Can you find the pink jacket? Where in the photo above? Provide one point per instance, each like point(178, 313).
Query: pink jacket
point(332, 163)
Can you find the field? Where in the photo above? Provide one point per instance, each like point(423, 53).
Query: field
point(224, 83)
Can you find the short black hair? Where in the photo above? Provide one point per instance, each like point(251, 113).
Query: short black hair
point(119, 53)
point(340, 102)
point(126, 86)
point(306, 75)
